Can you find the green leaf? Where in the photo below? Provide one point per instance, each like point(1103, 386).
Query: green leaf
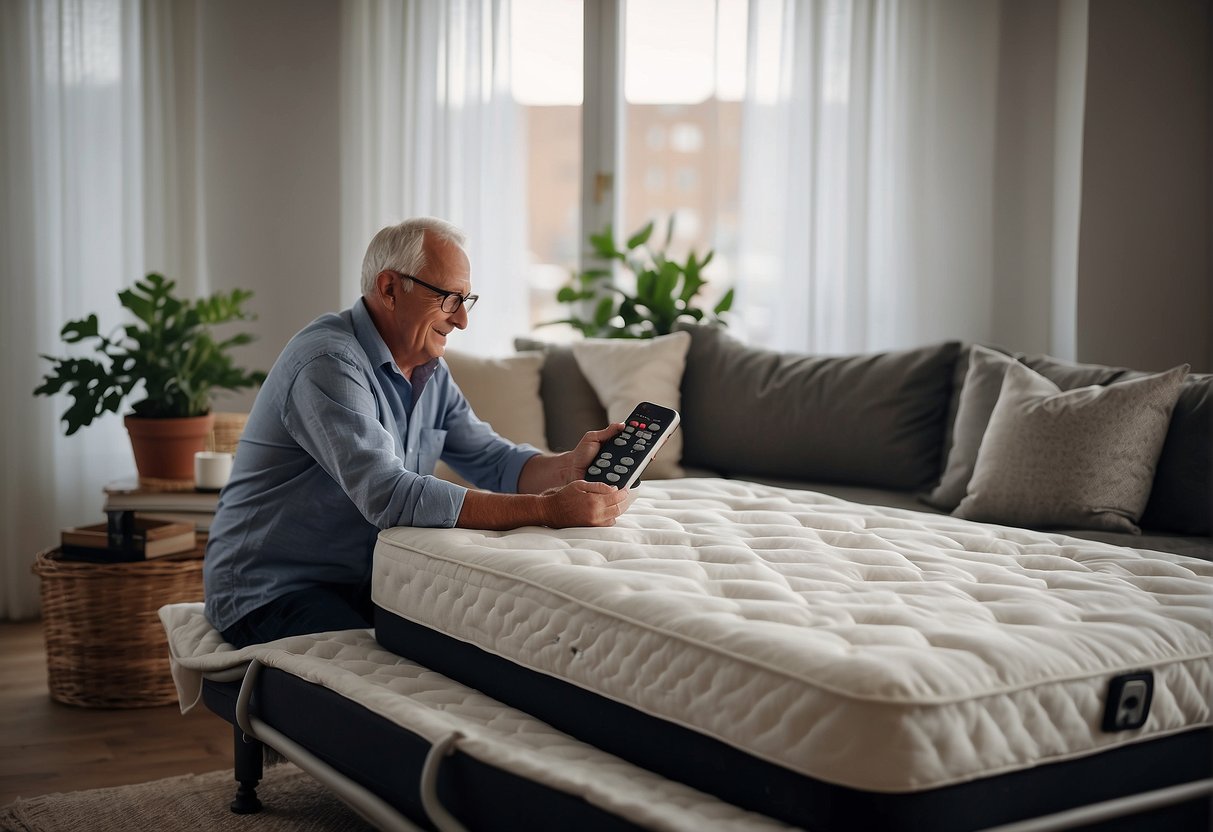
point(627, 311)
point(74, 331)
point(640, 237)
point(667, 280)
point(691, 286)
point(604, 244)
point(646, 283)
point(726, 303)
point(604, 311)
point(567, 294)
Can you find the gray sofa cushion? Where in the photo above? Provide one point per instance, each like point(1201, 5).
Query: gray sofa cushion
point(873, 420)
point(570, 405)
point(1181, 500)
point(1084, 458)
point(979, 391)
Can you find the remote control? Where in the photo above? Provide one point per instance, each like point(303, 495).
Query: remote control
point(623, 458)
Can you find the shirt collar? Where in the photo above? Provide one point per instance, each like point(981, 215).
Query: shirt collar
point(368, 336)
point(376, 348)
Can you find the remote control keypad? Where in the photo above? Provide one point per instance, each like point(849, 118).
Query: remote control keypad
point(636, 442)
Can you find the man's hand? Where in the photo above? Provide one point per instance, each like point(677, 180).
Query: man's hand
point(584, 503)
point(578, 460)
point(544, 472)
point(576, 504)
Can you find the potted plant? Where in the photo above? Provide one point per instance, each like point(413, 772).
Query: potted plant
point(170, 354)
point(665, 290)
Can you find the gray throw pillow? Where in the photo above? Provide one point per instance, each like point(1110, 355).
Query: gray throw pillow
point(1084, 458)
point(1182, 499)
point(570, 405)
point(874, 419)
point(978, 395)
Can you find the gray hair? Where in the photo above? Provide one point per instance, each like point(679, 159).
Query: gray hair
point(401, 248)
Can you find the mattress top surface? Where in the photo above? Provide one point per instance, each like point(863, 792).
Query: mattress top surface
point(813, 596)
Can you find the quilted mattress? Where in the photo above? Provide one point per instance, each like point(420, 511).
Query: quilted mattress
point(873, 648)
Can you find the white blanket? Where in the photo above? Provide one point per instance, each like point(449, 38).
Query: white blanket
point(881, 649)
point(352, 664)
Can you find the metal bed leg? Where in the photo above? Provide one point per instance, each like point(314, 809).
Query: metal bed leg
point(248, 757)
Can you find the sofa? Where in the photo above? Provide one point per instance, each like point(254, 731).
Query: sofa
point(878, 429)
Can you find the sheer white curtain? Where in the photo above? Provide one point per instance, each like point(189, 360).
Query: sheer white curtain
point(874, 182)
point(429, 128)
point(74, 228)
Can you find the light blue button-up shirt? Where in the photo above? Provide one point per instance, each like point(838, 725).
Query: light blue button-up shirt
point(339, 444)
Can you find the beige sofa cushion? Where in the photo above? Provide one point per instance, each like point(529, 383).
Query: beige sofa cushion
point(625, 372)
point(503, 392)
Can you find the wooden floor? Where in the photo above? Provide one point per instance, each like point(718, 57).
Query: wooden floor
point(48, 747)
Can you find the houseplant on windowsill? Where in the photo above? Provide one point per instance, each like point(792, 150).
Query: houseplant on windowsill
point(171, 355)
point(665, 290)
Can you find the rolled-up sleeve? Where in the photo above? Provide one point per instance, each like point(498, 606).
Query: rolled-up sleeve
point(332, 412)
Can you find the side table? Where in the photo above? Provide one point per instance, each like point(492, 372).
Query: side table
point(105, 646)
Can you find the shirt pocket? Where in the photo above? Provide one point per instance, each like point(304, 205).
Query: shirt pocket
point(429, 451)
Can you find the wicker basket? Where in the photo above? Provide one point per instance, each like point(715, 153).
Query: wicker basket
point(105, 646)
point(226, 434)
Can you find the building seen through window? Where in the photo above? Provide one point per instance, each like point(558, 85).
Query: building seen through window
point(684, 77)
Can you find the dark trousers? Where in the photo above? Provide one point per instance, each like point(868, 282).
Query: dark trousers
point(316, 609)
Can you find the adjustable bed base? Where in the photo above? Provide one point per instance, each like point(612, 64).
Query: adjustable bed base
point(407, 748)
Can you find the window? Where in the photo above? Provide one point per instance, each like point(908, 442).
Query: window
point(680, 116)
point(546, 77)
point(684, 75)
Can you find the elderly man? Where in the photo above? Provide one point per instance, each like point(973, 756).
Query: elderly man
point(342, 441)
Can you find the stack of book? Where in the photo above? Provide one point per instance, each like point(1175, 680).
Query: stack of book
point(127, 537)
point(195, 507)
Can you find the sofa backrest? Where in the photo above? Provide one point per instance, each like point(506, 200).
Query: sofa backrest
point(883, 420)
point(873, 420)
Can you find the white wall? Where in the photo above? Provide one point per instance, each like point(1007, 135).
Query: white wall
point(1041, 72)
point(270, 163)
point(1145, 279)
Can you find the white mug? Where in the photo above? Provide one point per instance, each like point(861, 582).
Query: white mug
point(211, 470)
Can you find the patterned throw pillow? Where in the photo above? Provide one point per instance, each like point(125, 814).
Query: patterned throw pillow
point(1084, 458)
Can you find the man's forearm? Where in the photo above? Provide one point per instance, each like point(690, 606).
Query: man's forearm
point(544, 471)
point(485, 510)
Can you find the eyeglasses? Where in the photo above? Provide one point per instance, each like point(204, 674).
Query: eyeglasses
point(451, 301)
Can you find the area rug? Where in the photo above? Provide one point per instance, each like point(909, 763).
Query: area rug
point(294, 802)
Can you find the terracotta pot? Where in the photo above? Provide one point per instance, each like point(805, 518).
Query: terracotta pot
point(164, 448)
